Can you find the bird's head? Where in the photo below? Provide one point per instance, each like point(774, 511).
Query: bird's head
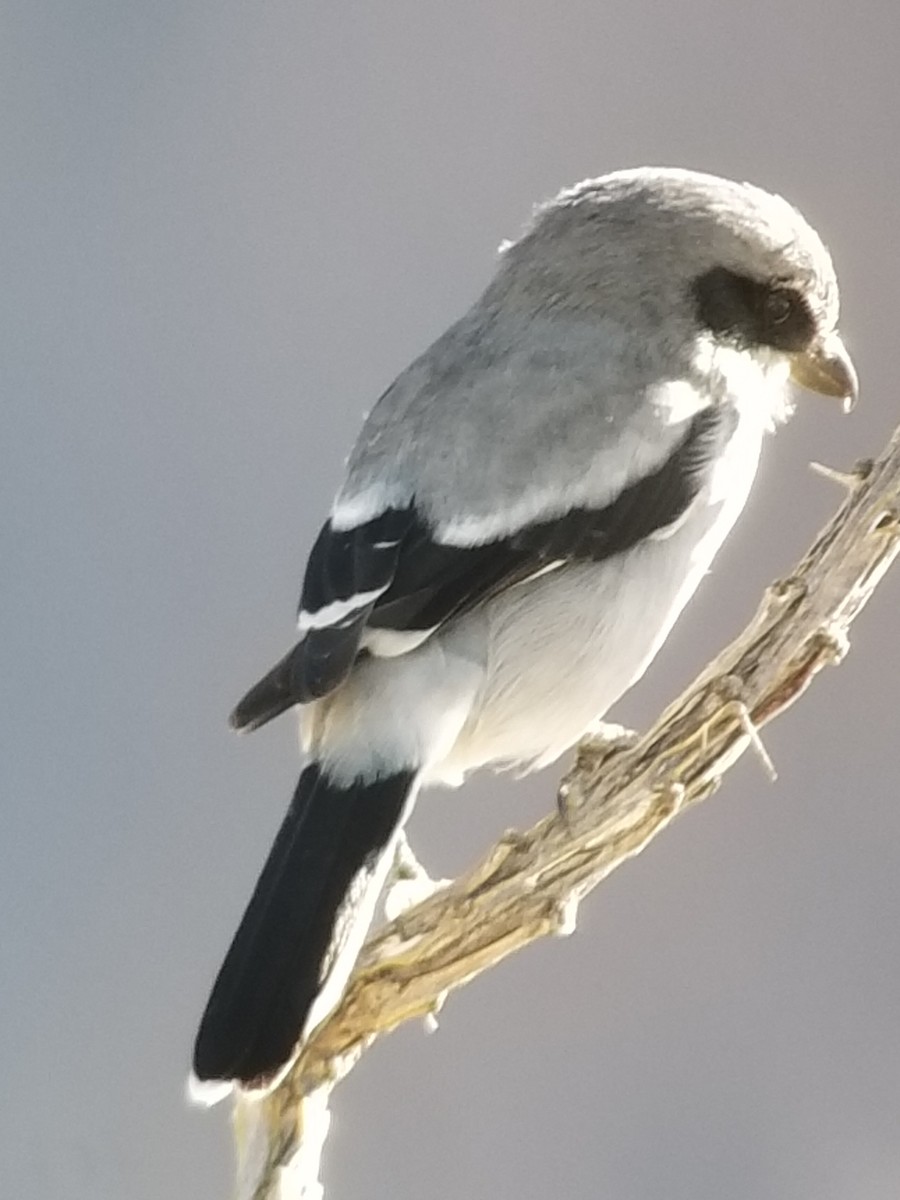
point(671, 258)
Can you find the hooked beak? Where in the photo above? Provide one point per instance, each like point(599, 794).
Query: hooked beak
point(827, 368)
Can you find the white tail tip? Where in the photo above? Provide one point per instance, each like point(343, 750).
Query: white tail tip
point(207, 1092)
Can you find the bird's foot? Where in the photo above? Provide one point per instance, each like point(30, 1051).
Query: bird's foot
point(607, 737)
point(601, 741)
point(408, 883)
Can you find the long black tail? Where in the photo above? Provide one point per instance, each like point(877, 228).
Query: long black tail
point(303, 927)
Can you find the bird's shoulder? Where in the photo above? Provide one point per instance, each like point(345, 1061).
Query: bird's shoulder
point(524, 414)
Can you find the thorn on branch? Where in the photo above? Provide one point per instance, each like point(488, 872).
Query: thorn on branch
point(845, 479)
point(732, 690)
point(726, 707)
point(851, 480)
point(746, 721)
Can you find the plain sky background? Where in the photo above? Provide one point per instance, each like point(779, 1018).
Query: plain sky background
point(225, 228)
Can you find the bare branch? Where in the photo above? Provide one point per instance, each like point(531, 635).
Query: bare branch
point(612, 803)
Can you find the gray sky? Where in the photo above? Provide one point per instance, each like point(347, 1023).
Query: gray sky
point(226, 227)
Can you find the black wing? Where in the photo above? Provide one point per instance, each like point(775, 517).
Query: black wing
point(347, 571)
point(393, 573)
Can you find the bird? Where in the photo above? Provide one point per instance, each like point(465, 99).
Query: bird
point(527, 510)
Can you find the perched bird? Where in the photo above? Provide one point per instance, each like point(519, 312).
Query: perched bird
point(527, 510)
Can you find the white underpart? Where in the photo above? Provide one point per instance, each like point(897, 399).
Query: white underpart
point(393, 714)
point(389, 643)
point(337, 610)
point(756, 380)
point(678, 400)
point(760, 380)
point(562, 649)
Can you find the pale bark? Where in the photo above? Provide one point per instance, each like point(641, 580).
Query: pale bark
point(612, 803)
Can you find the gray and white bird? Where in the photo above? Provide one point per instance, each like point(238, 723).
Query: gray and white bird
point(527, 510)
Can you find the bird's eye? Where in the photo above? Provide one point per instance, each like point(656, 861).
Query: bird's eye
point(754, 312)
point(779, 305)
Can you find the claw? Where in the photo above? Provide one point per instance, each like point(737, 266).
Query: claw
point(409, 883)
point(600, 742)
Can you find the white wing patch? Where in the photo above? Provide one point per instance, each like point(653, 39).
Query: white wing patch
point(337, 611)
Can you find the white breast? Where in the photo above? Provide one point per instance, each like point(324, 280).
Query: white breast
point(561, 649)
